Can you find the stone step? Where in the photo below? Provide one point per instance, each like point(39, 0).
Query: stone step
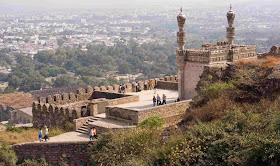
point(82, 132)
point(83, 129)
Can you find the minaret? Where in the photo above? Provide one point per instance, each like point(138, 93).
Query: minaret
point(180, 54)
point(230, 29)
point(181, 35)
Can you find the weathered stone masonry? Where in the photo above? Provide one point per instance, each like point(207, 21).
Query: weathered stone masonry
point(75, 153)
point(59, 109)
point(172, 113)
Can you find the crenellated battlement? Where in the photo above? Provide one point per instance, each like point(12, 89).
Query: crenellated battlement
point(84, 94)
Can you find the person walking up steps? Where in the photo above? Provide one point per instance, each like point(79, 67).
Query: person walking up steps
point(40, 135)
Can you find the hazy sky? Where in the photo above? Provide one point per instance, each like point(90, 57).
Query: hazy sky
point(119, 3)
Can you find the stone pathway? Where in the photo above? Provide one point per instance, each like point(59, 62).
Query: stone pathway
point(69, 137)
point(146, 99)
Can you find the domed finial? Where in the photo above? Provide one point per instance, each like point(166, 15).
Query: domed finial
point(230, 16)
point(181, 9)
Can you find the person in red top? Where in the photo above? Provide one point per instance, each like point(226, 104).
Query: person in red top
point(154, 101)
point(94, 133)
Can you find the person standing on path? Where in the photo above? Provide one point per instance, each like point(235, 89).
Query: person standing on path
point(91, 134)
point(154, 101)
point(146, 85)
point(136, 86)
point(163, 99)
point(94, 133)
point(151, 85)
point(120, 88)
point(158, 100)
point(40, 135)
point(46, 133)
point(123, 88)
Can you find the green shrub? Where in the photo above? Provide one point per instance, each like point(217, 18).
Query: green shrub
point(124, 146)
point(38, 162)
point(16, 129)
point(7, 156)
point(152, 122)
point(214, 90)
point(69, 126)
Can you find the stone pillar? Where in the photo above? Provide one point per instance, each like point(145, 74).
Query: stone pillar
point(93, 107)
point(181, 74)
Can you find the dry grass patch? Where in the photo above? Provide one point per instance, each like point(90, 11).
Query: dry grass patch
point(29, 135)
point(26, 135)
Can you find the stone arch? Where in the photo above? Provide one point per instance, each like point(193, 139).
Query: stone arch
point(62, 111)
point(51, 109)
point(74, 114)
point(67, 113)
point(39, 107)
point(56, 112)
point(46, 108)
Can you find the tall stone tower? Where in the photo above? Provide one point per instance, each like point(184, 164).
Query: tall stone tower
point(230, 29)
point(181, 35)
point(180, 53)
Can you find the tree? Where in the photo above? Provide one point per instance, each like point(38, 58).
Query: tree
point(9, 89)
point(14, 81)
point(64, 81)
point(33, 82)
point(3, 77)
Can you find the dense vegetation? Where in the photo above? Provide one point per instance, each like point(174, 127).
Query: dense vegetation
point(153, 60)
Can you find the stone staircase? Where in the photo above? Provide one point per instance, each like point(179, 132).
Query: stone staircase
point(84, 128)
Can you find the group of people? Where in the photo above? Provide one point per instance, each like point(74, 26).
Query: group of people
point(138, 88)
point(157, 100)
point(41, 138)
point(92, 134)
point(147, 86)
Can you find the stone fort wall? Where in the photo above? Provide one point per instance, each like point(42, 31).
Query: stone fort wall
point(74, 153)
point(59, 109)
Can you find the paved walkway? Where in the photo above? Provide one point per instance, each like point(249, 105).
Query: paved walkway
point(69, 137)
point(146, 99)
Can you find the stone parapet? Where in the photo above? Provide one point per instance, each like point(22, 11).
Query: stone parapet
point(169, 85)
point(172, 113)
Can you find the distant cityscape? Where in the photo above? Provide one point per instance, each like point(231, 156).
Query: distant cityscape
point(29, 31)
